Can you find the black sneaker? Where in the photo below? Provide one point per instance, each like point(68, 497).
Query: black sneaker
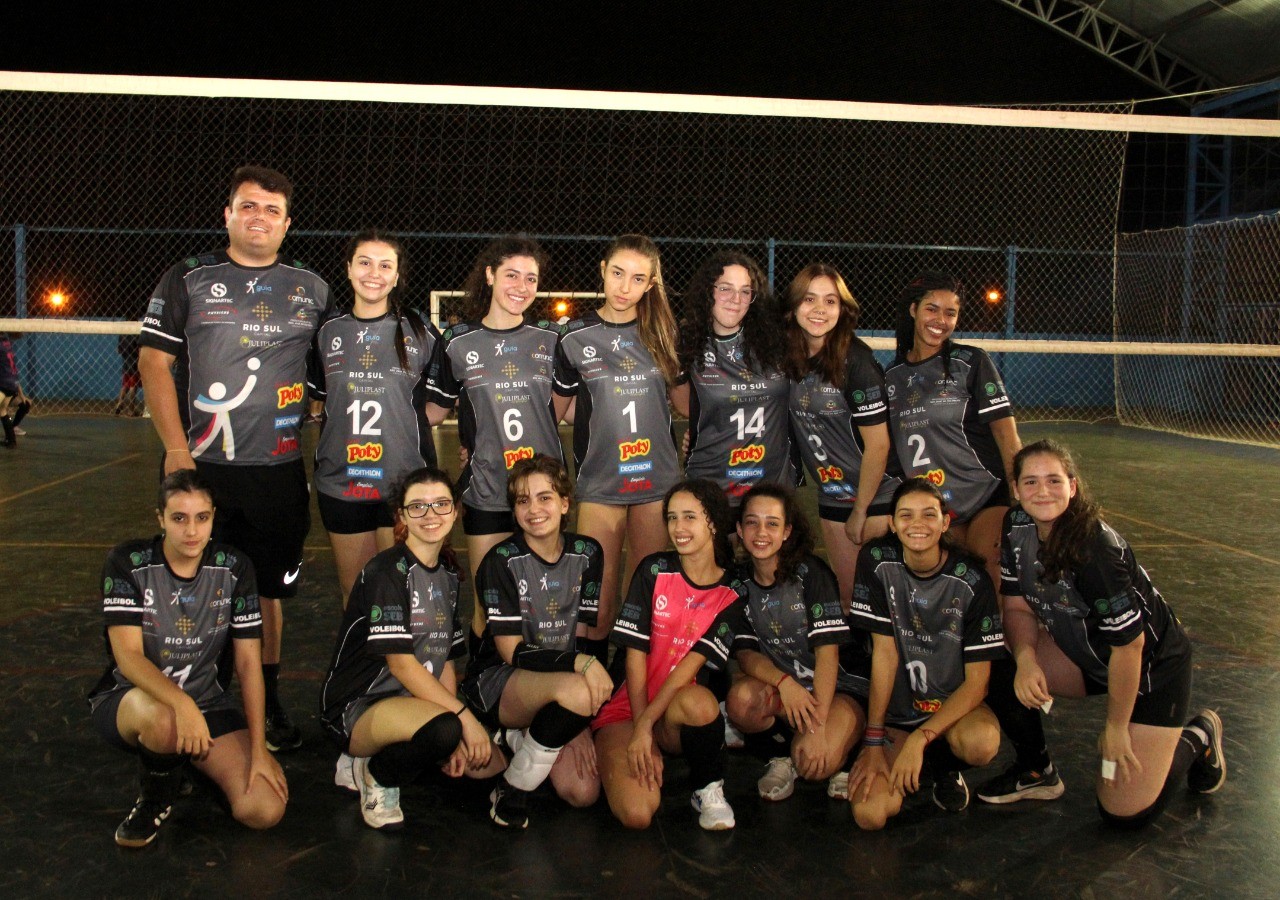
point(282, 734)
point(1017, 783)
point(950, 792)
point(1209, 772)
point(141, 826)
point(510, 807)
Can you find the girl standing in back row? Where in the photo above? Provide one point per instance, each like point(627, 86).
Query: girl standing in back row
point(618, 362)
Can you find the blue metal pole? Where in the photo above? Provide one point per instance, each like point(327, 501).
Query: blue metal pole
point(1011, 288)
point(773, 246)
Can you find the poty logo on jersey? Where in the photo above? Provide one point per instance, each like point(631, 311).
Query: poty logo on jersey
point(830, 473)
point(218, 290)
point(472, 358)
point(288, 395)
point(937, 477)
point(511, 457)
point(753, 453)
point(927, 706)
point(367, 452)
point(628, 449)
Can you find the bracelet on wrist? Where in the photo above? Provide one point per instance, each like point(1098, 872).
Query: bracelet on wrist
point(186, 450)
point(778, 684)
point(586, 665)
point(929, 735)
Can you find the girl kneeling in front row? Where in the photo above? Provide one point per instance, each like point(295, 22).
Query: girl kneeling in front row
point(389, 698)
point(935, 629)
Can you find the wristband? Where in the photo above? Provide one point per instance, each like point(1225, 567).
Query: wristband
point(178, 450)
point(586, 665)
point(929, 735)
point(778, 684)
point(874, 736)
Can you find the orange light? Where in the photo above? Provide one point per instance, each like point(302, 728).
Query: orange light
point(57, 299)
point(993, 296)
point(562, 307)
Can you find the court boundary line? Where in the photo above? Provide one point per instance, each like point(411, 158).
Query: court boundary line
point(1196, 538)
point(35, 490)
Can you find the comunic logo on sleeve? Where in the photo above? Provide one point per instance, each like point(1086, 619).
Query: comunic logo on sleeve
point(749, 454)
point(628, 449)
point(511, 457)
point(366, 452)
point(288, 394)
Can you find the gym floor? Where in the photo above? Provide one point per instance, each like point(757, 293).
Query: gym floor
point(1202, 517)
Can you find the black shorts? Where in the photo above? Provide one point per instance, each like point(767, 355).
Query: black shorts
point(476, 522)
point(1166, 706)
point(348, 517)
point(223, 716)
point(483, 693)
point(264, 511)
point(841, 514)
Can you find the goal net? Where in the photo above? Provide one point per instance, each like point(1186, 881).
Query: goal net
point(110, 179)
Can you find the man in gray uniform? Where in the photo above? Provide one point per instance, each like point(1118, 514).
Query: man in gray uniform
point(225, 340)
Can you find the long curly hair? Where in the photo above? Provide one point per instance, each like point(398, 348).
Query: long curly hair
point(905, 326)
point(395, 297)
point(761, 340)
point(711, 496)
point(1079, 523)
point(800, 543)
point(476, 290)
point(655, 322)
point(831, 359)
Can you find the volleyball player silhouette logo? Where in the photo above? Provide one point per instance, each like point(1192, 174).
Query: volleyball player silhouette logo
point(221, 409)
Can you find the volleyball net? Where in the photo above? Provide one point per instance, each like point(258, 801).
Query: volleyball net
point(109, 180)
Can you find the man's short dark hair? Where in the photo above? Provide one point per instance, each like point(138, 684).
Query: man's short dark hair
point(267, 179)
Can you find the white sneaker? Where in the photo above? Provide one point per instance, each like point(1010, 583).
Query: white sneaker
point(343, 776)
point(838, 786)
point(20, 432)
point(714, 812)
point(733, 738)
point(380, 806)
point(779, 779)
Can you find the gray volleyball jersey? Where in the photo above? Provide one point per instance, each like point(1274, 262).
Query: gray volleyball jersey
point(186, 624)
point(623, 450)
point(826, 421)
point(739, 433)
point(375, 429)
point(790, 620)
point(942, 425)
point(940, 623)
point(1107, 601)
point(502, 383)
point(241, 337)
point(397, 606)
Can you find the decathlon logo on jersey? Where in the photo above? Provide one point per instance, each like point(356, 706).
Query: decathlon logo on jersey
point(287, 422)
point(364, 472)
point(634, 468)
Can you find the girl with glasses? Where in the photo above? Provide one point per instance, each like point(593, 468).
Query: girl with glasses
point(731, 385)
point(389, 699)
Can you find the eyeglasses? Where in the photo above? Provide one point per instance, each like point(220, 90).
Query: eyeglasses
point(418, 508)
point(728, 292)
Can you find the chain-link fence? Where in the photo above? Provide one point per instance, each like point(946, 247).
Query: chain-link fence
point(103, 192)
